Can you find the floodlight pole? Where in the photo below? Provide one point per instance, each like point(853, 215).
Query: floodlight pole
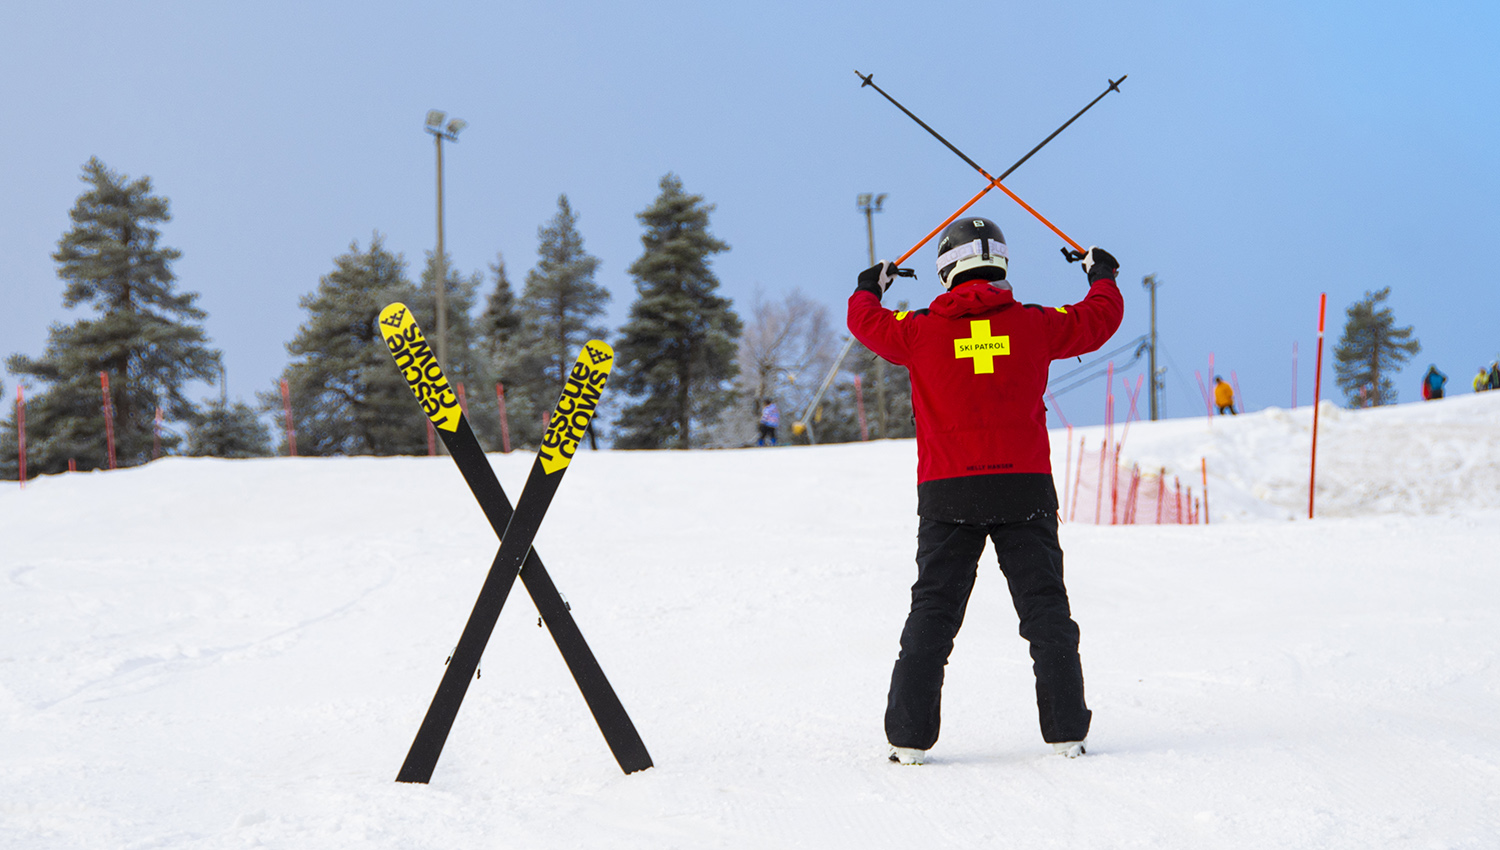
point(869, 204)
point(439, 132)
point(442, 257)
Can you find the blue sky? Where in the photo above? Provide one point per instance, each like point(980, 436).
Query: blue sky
point(1259, 154)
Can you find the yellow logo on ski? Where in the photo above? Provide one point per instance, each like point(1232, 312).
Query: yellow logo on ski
point(418, 364)
point(577, 406)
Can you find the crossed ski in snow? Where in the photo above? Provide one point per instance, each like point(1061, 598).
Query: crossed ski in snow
point(516, 529)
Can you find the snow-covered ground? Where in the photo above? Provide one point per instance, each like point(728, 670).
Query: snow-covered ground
point(227, 654)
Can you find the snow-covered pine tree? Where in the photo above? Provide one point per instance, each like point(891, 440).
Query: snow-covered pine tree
point(1371, 348)
point(347, 398)
point(677, 351)
point(146, 335)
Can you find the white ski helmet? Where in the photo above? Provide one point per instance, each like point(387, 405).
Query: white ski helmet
point(971, 243)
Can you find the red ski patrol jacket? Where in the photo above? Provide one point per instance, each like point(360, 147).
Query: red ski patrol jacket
point(978, 362)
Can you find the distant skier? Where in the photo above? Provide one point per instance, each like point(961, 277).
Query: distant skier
point(1432, 383)
point(770, 418)
point(1223, 396)
point(1482, 380)
point(1495, 375)
point(978, 362)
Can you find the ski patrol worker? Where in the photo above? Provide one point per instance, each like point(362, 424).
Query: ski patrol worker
point(978, 362)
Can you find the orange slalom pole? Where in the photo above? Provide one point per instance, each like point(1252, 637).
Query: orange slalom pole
point(1077, 481)
point(1205, 490)
point(109, 418)
point(20, 429)
point(1312, 474)
point(504, 418)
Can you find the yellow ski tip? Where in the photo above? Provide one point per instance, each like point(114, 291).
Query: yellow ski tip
point(577, 406)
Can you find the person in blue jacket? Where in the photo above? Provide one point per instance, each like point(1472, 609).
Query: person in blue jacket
point(1432, 383)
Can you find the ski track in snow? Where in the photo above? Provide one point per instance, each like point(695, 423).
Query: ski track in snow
point(228, 654)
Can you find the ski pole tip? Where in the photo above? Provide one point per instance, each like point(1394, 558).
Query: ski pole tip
point(865, 77)
point(1114, 85)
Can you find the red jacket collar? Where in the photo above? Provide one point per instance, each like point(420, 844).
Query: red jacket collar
point(971, 298)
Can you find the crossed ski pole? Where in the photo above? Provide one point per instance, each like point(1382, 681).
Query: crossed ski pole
point(1075, 254)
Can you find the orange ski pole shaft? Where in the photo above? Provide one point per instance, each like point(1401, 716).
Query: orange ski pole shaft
point(947, 221)
point(975, 200)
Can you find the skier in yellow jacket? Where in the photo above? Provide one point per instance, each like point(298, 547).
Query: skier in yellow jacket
point(1223, 396)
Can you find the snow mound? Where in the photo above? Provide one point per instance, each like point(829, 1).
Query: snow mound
point(1425, 458)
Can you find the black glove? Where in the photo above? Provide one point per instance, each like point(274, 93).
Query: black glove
point(878, 278)
point(1099, 264)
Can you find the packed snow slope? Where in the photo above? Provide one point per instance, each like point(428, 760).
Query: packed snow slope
point(226, 654)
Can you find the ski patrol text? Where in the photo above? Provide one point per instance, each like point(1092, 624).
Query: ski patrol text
point(982, 347)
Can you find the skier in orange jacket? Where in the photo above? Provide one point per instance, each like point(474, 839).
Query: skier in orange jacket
point(1224, 396)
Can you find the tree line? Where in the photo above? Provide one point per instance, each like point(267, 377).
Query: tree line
point(689, 371)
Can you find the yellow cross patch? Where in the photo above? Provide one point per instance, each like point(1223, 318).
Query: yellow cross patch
point(981, 346)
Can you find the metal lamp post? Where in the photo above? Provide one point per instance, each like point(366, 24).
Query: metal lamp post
point(441, 131)
point(1150, 282)
point(868, 204)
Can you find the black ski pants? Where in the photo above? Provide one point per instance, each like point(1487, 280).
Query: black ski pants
point(947, 560)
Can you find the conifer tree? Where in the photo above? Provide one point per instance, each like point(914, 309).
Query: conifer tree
point(500, 340)
point(464, 363)
point(347, 397)
point(558, 308)
point(146, 336)
point(467, 367)
point(229, 430)
point(1371, 348)
point(500, 323)
point(677, 352)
